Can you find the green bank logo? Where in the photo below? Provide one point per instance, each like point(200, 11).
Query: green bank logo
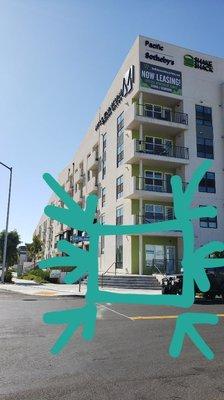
point(189, 60)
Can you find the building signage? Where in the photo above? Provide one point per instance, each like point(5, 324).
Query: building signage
point(127, 86)
point(198, 63)
point(156, 56)
point(159, 78)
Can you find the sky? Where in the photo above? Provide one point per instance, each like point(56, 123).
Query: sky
point(58, 59)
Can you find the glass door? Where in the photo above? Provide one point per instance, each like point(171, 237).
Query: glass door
point(170, 259)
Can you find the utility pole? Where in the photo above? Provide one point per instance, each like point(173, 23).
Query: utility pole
point(7, 223)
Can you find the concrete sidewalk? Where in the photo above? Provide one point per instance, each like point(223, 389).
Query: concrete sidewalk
point(54, 289)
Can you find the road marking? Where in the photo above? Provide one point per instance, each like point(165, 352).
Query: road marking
point(147, 317)
point(114, 311)
point(45, 293)
point(154, 317)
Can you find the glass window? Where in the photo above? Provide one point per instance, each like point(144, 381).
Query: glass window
point(120, 139)
point(103, 200)
point(119, 216)
point(104, 155)
point(207, 222)
point(205, 148)
point(119, 251)
point(203, 115)
point(119, 187)
point(207, 183)
point(102, 238)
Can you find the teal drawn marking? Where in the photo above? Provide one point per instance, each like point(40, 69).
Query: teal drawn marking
point(194, 263)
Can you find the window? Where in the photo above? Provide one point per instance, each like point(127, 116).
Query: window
point(102, 238)
point(119, 216)
point(207, 183)
point(203, 115)
point(205, 147)
point(119, 187)
point(88, 176)
point(120, 139)
point(157, 212)
point(103, 197)
point(119, 251)
point(104, 155)
point(207, 222)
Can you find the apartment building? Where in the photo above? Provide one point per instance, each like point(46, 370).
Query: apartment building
point(162, 115)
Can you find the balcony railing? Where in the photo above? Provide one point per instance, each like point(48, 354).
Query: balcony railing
point(161, 113)
point(79, 239)
point(154, 185)
point(162, 150)
point(153, 217)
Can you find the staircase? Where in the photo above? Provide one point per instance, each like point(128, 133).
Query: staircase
point(130, 282)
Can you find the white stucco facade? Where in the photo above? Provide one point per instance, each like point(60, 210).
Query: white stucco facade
point(167, 120)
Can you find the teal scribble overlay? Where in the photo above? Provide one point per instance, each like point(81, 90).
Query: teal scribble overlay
point(194, 263)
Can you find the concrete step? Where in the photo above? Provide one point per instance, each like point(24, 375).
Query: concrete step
point(129, 281)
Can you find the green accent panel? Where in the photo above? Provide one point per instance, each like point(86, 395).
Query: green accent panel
point(134, 255)
point(135, 169)
point(135, 135)
point(134, 207)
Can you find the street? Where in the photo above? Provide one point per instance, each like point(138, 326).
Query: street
point(128, 359)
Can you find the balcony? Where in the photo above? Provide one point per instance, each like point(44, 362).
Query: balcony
point(79, 176)
point(156, 153)
point(154, 218)
point(158, 118)
point(93, 161)
point(92, 186)
point(149, 189)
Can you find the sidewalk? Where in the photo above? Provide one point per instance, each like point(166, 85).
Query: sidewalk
point(53, 289)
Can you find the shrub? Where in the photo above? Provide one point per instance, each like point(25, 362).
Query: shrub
point(37, 275)
point(8, 276)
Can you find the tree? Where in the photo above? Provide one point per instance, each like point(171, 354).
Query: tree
point(34, 249)
point(12, 243)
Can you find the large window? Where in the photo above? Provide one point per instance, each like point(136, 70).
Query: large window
point(120, 139)
point(119, 216)
point(205, 148)
point(103, 200)
point(208, 222)
point(104, 154)
point(207, 183)
point(203, 115)
point(157, 212)
point(119, 251)
point(119, 187)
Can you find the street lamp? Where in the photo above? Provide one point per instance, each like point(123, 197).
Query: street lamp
point(7, 223)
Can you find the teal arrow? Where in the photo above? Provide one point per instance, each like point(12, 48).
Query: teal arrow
point(185, 326)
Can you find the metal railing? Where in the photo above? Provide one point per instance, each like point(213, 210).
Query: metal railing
point(108, 269)
point(154, 185)
point(161, 113)
point(162, 150)
point(143, 219)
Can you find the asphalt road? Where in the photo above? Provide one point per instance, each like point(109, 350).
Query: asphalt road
point(127, 360)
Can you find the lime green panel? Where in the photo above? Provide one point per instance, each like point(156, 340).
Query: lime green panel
point(135, 169)
point(134, 255)
point(135, 135)
point(134, 207)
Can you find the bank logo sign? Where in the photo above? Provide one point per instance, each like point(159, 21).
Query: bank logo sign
point(127, 86)
point(198, 63)
point(159, 78)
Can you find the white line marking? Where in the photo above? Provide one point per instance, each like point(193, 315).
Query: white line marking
point(116, 312)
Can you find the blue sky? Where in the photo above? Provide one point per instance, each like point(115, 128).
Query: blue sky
point(58, 58)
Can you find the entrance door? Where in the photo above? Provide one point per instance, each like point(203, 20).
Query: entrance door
point(170, 257)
